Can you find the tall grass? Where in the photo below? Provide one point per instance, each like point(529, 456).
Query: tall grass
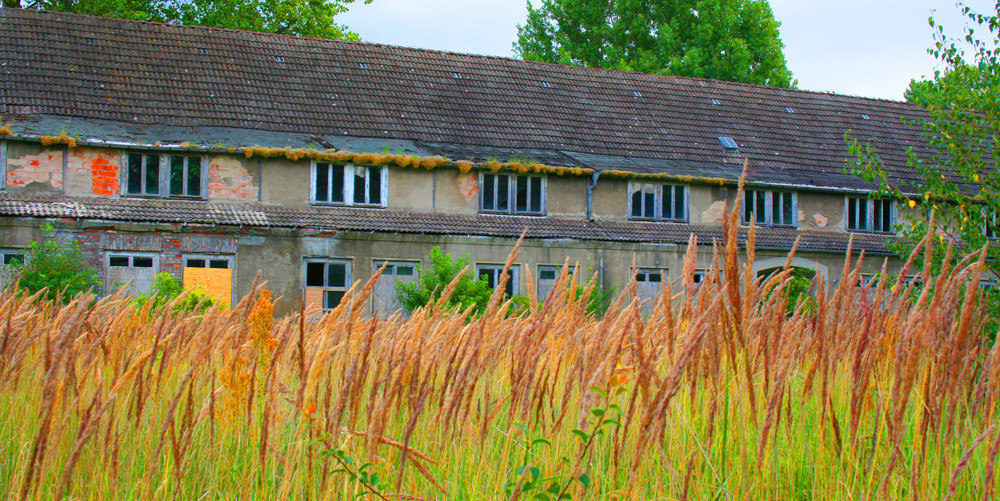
point(718, 393)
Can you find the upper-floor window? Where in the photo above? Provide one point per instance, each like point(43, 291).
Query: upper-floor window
point(349, 184)
point(667, 202)
point(769, 208)
point(512, 193)
point(864, 214)
point(155, 175)
point(991, 228)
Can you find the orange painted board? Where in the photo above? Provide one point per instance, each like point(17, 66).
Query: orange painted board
point(217, 282)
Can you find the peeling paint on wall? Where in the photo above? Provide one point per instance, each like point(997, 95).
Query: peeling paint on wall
point(715, 212)
point(468, 184)
point(821, 219)
point(227, 179)
point(42, 171)
point(92, 172)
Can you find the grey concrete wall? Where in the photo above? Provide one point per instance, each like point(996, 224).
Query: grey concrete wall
point(610, 199)
point(284, 181)
point(567, 196)
point(411, 189)
point(820, 211)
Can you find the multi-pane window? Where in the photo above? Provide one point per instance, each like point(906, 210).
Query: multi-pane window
point(864, 214)
point(7, 258)
point(492, 272)
point(135, 269)
point(658, 201)
point(769, 208)
point(326, 281)
point(164, 175)
point(349, 184)
point(518, 194)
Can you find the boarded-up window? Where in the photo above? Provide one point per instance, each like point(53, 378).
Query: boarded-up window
point(212, 273)
point(7, 258)
point(385, 300)
point(136, 270)
point(326, 281)
point(650, 282)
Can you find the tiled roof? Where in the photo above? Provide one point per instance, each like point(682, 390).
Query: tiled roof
point(381, 220)
point(58, 64)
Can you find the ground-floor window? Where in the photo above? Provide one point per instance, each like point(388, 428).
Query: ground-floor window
point(7, 258)
point(492, 272)
point(135, 269)
point(326, 282)
point(650, 282)
point(385, 300)
point(213, 273)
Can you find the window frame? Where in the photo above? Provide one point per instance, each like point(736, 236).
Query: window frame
point(646, 270)
point(348, 274)
point(659, 190)
point(155, 256)
point(348, 185)
point(514, 279)
point(395, 263)
point(869, 214)
point(165, 167)
point(768, 212)
point(512, 182)
point(10, 251)
point(229, 258)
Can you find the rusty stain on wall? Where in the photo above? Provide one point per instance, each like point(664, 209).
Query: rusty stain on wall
point(468, 184)
point(43, 169)
point(227, 179)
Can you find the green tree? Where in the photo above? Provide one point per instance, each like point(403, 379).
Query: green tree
point(443, 269)
point(957, 175)
point(311, 18)
point(735, 40)
point(167, 288)
point(58, 269)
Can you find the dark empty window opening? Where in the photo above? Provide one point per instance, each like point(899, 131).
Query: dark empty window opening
point(492, 273)
point(330, 276)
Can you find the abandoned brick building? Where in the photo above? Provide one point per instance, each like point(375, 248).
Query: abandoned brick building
point(213, 154)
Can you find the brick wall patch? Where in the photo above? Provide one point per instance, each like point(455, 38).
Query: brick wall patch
point(41, 172)
point(93, 172)
point(227, 179)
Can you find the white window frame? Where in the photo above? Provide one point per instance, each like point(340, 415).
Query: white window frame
point(155, 256)
point(869, 221)
point(165, 164)
point(228, 258)
point(497, 270)
point(512, 194)
point(326, 287)
point(659, 190)
point(348, 184)
point(768, 212)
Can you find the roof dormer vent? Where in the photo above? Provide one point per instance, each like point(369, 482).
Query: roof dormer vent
point(728, 145)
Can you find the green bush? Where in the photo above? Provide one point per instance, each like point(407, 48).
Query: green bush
point(166, 288)
point(58, 269)
point(443, 269)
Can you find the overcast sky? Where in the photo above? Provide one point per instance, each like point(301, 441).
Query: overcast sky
point(868, 48)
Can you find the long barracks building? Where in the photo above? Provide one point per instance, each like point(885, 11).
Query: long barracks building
point(213, 154)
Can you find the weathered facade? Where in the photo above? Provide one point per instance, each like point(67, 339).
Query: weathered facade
point(217, 154)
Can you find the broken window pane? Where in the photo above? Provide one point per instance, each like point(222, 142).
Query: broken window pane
point(360, 175)
point(315, 274)
point(375, 186)
point(521, 194)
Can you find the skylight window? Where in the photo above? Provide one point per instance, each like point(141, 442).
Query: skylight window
point(637, 93)
point(363, 65)
point(202, 50)
point(789, 109)
point(279, 59)
point(715, 101)
point(864, 117)
point(728, 144)
point(90, 41)
point(546, 85)
point(456, 74)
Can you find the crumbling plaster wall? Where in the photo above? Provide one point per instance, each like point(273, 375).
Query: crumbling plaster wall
point(33, 168)
point(93, 171)
point(233, 178)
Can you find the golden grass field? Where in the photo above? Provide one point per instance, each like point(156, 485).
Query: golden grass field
point(883, 393)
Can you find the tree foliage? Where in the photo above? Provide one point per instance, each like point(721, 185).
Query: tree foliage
point(443, 269)
point(958, 180)
point(58, 269)
point(735, 40)
point(312, 18)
